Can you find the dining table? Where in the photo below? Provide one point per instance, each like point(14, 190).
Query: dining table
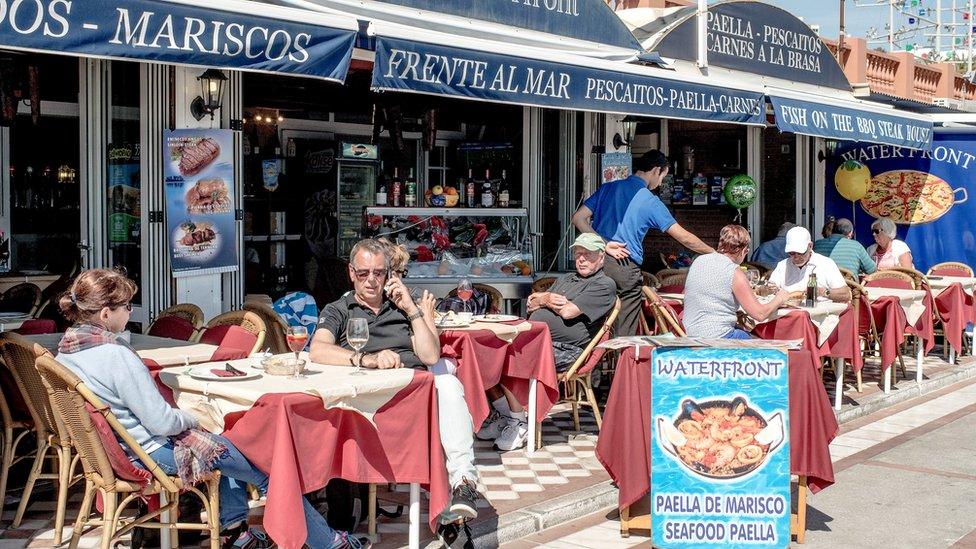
point(163, 351)
point(371, 426)
point(624, 446)
point(12, 320)
point(956, 307)
point(516, 354)
point(898, 311)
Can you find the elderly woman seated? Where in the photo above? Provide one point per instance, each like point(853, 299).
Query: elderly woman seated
point(887, 251)
point(716, 288)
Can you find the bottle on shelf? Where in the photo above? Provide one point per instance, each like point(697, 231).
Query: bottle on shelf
point(381, 194)
point(469, 190)
point(396, 188)
point(487, 197)
point(410, 194)
point(503, 194)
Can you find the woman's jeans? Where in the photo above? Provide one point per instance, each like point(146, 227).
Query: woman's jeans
point(737, 333)
point(236, 472)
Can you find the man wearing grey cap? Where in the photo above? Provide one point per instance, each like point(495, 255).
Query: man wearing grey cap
point(574, 308)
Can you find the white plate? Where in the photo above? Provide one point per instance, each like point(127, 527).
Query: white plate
point(203, 373)
point(495, 318)
point(451, 323)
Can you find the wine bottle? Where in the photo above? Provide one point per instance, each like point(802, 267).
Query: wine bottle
point(410, 195)
point(487, 198)
point(503, 195)
point(397, 188)
point(469, 190)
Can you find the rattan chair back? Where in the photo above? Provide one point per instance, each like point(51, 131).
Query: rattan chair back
point(890, 278)
point(920, 281)
point(848, 275)
point(951, 268)
point(651, 280)
point(19, 356)
point(665, 319)
point(187, 311)
point(245, 319)
point(277, 337)
point(673, 281)
point(494, 296)
point(664, 273)
point(22, 298)
point(543, 284)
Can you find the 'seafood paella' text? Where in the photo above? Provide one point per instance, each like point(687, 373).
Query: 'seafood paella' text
point(691, 530)
point(719, 369)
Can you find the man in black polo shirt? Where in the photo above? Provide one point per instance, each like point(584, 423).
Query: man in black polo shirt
point(400, 336)
point(574, 308)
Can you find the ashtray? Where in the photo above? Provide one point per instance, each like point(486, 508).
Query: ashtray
point(282, 365)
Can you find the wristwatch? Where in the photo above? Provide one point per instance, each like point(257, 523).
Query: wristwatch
point(415, 316)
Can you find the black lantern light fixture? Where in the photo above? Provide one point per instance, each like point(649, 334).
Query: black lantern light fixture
point(629, 127)
point(211, 97)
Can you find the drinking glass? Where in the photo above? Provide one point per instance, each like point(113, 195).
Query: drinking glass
point(357, 335)
point(464, 292)
point(297, 337)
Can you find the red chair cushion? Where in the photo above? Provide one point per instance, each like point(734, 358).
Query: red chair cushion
point(233, 342)
point(173, 327)
point(890, 283)
point(37, 326)
point(595, 356)
point(949, 271)
point(672, 289)
point(123, 467)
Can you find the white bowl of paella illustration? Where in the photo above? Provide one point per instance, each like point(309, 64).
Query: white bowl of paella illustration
point(720, 439)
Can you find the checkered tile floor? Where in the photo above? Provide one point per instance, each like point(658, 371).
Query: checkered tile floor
point(509, 481)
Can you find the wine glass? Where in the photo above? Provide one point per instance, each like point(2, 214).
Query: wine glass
point(357, 335)
point(297, 337)
point(464, 292)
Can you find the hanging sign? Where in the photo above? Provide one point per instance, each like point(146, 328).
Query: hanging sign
point(720, 456)
point(757, 38)
point(199, 172)
point(927, 193)
point(614, 166)
point(851, 124)
point(125, 195)
point(168, 32)
point(403, 65)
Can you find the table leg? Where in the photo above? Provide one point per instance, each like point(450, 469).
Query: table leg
point(164, 533)
point(887, 378)
point(413, 537)
point(801, 509)
point(839, 391)
point(919, 358)
point(952, 355)
point(625, 522)
point(533, 389)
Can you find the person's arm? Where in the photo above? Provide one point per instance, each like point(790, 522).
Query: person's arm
point(563, 307)
point(747, 299)
point(906, 260)
point(868, 266)
point(839, 295)
point(837, 289)
point(688, 240)
point(537, 301)
point(582, 219)
point(138, 393)
point(324, 349)
point(426, 344)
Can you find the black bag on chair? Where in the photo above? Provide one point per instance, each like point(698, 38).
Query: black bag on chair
point(348, 504)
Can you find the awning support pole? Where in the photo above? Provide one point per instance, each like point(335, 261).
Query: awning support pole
point(703, 34)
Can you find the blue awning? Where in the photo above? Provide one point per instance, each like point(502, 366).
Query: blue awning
point(232, 34)
point(851, 121)
point(535, 77)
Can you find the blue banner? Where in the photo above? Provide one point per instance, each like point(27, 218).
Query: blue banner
point(148, 30)
point(199, 174)
point(831, 121)
point(926, 193)
point(720, 455)
point(403, 65)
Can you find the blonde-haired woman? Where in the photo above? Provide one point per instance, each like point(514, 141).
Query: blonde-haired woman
point(887, 251)
point(98, 302)
point(716, 288)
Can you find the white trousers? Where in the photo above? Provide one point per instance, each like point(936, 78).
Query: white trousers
point(457, 431)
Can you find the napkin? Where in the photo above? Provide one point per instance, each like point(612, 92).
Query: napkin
point(224, 373)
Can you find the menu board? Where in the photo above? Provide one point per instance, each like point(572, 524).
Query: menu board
point(720, 455)
point(200, 201)
point(614, 166)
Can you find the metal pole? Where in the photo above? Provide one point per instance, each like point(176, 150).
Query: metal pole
point(938, 27)
point(969, 55)
point(891, 25)
point(702, 34)
point(840, 36)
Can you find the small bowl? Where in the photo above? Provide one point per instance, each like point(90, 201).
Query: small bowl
point(465, 317)
point(281, 365)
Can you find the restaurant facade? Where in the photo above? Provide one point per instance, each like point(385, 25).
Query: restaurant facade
point(470, 133)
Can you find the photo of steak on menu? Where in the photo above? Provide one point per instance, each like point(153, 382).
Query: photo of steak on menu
point(194, 158)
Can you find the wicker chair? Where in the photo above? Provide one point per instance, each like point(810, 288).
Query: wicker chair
point(19, 355)
point(494, 296)
point(867, 330)
point(951, 268)
point(665, 320)
point(848, 275)
point(651, 280)
point(22, 298)
point(186, 311)
point(72, 401)
point(675, 282)
point(543, 284)
point(15, 428)
point(277, 338)
point(245, 319)
point(664, 273)
point(890, 278)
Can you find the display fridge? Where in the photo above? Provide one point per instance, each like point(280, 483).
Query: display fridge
point(358, 170)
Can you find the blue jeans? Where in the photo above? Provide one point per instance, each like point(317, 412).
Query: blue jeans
point(236, 472)
point(737, 333)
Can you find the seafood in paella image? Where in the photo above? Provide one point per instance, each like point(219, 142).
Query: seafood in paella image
point(720, 439)
point(209, 195)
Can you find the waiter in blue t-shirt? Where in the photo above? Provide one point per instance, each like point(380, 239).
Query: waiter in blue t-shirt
point(622, 212)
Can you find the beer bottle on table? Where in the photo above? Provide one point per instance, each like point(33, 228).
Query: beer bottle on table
point(811, 290)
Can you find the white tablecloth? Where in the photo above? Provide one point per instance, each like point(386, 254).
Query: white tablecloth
point(940, 283)
point(912, 301)
point(825, 315)
point(163, 350)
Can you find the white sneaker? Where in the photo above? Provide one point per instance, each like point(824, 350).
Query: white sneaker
point(493, 426)
point(515, 435)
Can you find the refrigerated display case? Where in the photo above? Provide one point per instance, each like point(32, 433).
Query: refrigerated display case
point(358, 169)
point(486, 245)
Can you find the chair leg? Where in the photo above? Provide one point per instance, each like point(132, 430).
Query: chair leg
point(591, 398)
point(64, 483)
point(42, 448)
point(213, 517)
point(83, 513)
point(6, 460)
point(573, 398)
point(109, 505)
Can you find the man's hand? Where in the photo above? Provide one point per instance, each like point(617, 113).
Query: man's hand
point(617, 250)
point(557, 301)
point(427, 304)
point(400, 296)
point(383, 360)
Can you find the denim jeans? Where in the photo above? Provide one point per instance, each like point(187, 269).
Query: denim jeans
point(737, 333)
point(236, 472)
point(457, 433)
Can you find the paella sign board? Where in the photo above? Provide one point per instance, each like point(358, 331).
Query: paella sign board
point(720, 455)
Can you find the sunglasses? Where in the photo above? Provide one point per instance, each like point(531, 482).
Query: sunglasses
point(876, 231)
point(364, 274)
point(128, 307)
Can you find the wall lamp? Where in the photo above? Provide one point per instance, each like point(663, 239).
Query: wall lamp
point(212, 94)
point(628, 126)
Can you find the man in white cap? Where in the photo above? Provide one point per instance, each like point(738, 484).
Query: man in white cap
point(792, 273)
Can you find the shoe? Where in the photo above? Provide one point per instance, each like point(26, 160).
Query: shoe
point(514, 436)
point(455, 536)
point(493, 426)
point(463, 501)
point(242, 537)
point(345, 540)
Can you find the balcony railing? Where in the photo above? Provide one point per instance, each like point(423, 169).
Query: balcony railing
point(881, 71)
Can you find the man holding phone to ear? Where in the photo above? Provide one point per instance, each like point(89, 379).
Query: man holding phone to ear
point(402, 335)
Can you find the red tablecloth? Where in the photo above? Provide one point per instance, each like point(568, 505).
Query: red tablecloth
point(955, 310)
point(891, 322)
point(925, 326)
point(794, 325)
point(624, 446)
point(301, 446)
point(844, 342)
point(484, 360)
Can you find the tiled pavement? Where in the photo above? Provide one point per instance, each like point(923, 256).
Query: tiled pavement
point(509, 480)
